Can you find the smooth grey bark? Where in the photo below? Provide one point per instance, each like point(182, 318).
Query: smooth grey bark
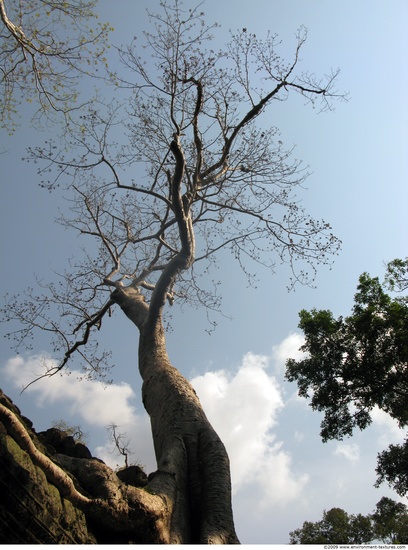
point(188, 451)
point(192, 460)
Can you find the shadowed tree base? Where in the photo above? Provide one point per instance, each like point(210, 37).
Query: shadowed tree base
point(191, 458)
point(115, 511)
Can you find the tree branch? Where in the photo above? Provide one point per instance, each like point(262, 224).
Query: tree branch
point(185, 257)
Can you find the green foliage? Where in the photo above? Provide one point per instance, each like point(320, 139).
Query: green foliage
point(356, 363)
point(397, 275)
point(388, 523)
point(392, 466)
point(336, 527)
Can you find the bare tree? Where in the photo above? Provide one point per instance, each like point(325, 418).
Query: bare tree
point(206, 179)
point(121, 442)
point(75, 431)
point(45, 48)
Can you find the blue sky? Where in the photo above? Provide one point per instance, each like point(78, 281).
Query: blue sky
point(282, 473)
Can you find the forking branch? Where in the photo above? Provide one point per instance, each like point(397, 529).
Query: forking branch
point(207, 177)
point(46, 48)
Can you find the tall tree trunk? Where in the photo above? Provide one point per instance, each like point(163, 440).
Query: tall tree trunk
point(193, 465)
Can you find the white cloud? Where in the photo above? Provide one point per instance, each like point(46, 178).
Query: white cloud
point(246, 407)
point(299, 436)
point(351, 451)
point(243, 408)
point(388, 426)
point(95, 404)
point(288, 349)
point(137, 432)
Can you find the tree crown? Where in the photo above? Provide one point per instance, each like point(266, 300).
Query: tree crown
point(46, 48)
point(164, 181)
point(388, 523)
point(355, 363)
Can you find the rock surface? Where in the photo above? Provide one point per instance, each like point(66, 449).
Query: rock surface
point(33, 510)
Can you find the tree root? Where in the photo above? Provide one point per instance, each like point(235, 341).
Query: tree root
point(142, 515)
point(54, 473)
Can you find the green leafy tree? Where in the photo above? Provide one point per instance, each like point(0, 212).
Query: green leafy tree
point(191, 175)
point(356, 363)
point(309, 533)
point(397, 276)
point(392, 466)
point(336, 527)
point(390, 522)
point(46, 48)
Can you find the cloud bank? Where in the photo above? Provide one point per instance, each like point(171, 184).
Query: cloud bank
point(282, 474)
point(90, 403)
point(242, 405)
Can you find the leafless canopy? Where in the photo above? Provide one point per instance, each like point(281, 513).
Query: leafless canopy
point(169, 179)
point(45, 48)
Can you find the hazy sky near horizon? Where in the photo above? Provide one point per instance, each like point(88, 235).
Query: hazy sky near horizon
point(358, 155)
